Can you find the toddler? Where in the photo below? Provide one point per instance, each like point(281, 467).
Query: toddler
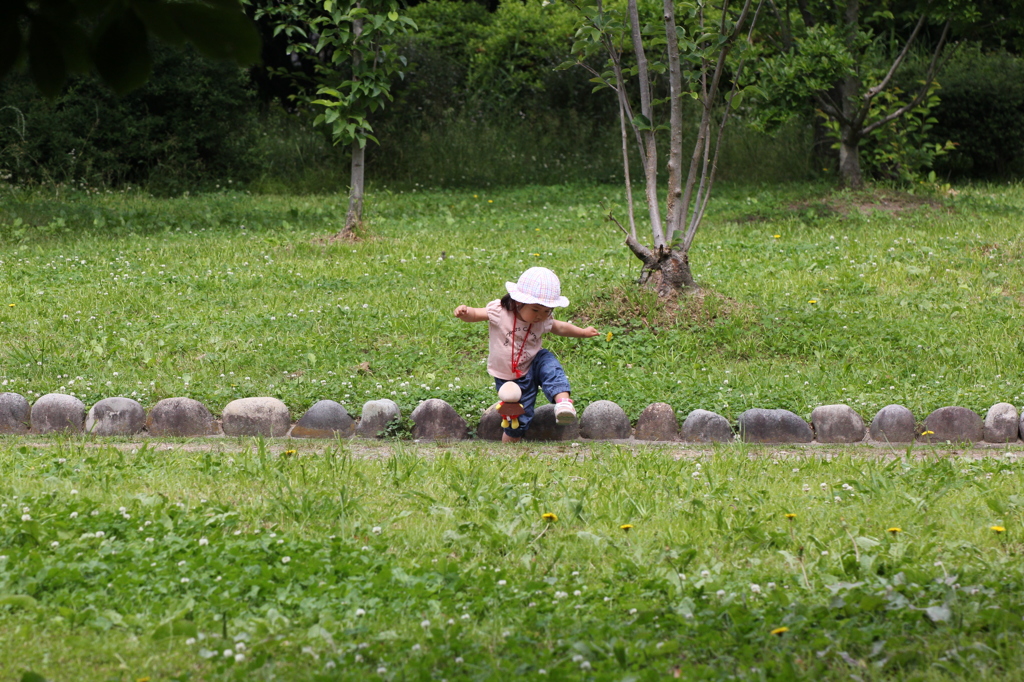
point(516, 323)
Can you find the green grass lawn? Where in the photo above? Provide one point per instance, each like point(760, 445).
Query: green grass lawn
point(226, 296)
point(399, 562)
point(229, 559)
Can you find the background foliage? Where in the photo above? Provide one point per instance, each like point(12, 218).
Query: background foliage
point(481, 105)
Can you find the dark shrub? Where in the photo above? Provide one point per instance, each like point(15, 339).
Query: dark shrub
point(186, 127)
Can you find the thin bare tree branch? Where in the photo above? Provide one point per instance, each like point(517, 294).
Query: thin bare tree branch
point(922, 93)
point(872, 92)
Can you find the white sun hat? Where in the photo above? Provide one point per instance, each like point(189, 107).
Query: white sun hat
point(540, 286)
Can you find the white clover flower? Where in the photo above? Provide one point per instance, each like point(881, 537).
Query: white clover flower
point(561, 595)
point(55, 544)
point(74, 515)
point(360, 612)
point(185, 581)
point(824, 486)
point(632, 612)
point(239, 646)
point(377, 530)
point(501, 583)
point(705, 573)
point(755, 588)
point(229, 653)
point(190, 641)
point(425, 624)
point(26, 517)
point(459, 660)
point(149, 540)
point(577, 658)
point(181, 563)
point(239, 658)
point(381, 670)
point(585, 665)
point(285, 559)
point(465, 616)
point(416, 647)
point(720, 594)
point(203, 542)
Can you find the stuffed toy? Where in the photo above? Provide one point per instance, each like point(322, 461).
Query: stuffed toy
point(509, 408)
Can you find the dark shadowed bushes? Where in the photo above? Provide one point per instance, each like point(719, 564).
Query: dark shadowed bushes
point(192, 125)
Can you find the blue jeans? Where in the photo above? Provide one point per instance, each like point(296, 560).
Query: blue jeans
point(545, 372)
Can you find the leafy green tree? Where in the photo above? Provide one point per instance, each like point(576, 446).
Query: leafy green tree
point(843, 58)
point(351, 45)
point(637, 44)
point(112, 37)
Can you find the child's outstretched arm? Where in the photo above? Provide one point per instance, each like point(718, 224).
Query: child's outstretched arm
point(565, 329)
point(467, 314)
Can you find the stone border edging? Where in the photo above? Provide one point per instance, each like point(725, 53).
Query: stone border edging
point(436, 420)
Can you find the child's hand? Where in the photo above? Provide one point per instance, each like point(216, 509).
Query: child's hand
point(462, 312)
point(589, 332)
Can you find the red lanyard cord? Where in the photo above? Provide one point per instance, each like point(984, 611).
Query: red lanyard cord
point(515, 357)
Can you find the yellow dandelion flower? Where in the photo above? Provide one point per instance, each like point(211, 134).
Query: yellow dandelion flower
point(549, 517)
point(490, 201)
point(791, 516)
point(626, 527)
point(289, 453)
point(10, 305)
point(475, 196)
point(927, 433)
point(777, 236)
point(894, 530)
point(997, 529)
point(608, 337)
point(813, 300)
point(778, 632)
point(536, 254)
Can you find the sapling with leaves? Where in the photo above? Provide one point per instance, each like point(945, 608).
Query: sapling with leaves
point(351, 46)
point(845, 61)
point(637, 47)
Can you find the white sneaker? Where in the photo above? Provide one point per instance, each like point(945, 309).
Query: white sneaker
point(565, 413)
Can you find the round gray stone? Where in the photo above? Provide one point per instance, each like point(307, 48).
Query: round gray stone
point(953, 424)
point(325, 419)
point(56, 412)
point(15, 413)
point(489, 427)
point(261, 416)
point(758, 425)
point(837, 424)
point(1001, 425)
point(434, 419)
point(604, 420)
point(893, 424)
point(544, 427)
point(702, 426)
point(658, 421)
point(376, 416)
point(181, 417)
point(115, 417)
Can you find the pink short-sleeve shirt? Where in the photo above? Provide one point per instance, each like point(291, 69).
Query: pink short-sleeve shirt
point(507, 331)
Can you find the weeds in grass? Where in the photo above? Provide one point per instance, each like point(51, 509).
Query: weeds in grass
point(224, 296)
point(457, 561)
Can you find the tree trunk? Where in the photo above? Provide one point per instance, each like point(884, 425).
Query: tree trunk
point(849, 162)
point(665, 269)
point(355, 193)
